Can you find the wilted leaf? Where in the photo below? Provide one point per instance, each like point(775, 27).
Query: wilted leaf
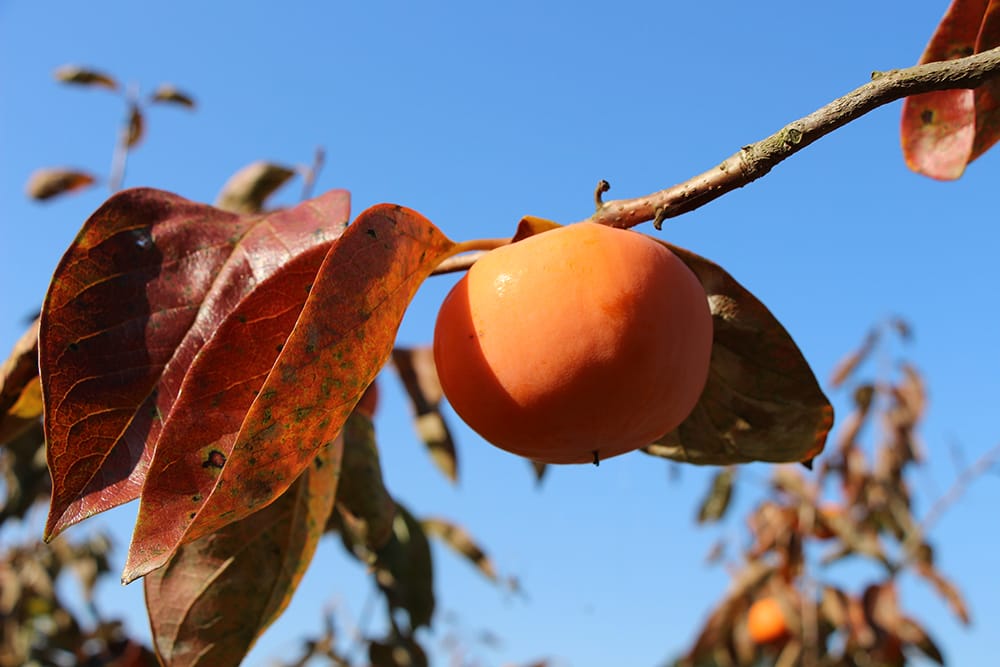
point(945, 589)
point(850, 363)
point(366, 508)
point(50, 182)
point(459, 539)
point(216, 595)
point(284, 399)
point(417, 371)
point(148, 280)
point(716, 502)
point(404, 571)
point(762, 401)
point(248, 189)
point(23, 474)
point(85, 76)
point(168, 94)
point(943, 131)
point(913, 634)
point(136, 126)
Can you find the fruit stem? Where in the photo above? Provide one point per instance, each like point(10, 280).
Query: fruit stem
point(475, 248)
point(602, 187)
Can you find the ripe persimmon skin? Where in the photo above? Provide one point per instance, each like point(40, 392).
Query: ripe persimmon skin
point(766, 622)
point(577, 340)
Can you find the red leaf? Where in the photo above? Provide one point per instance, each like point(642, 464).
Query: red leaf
point(148, 279)
point(939, 128)
point(267, 423)
point(219, 593)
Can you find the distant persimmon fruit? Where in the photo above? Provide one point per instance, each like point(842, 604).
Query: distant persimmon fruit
point(766, 621)
point(575, 345)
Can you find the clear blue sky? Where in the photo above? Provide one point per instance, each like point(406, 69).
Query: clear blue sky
point(477, 113)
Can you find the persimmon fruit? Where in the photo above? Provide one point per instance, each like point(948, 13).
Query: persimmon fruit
point(766, 622)
point(575, 345)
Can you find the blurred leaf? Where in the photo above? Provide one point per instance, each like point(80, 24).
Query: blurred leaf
point(397, 652)
point(762, 401)
point(288, 380)
point(248, 189)
point(404, 571)
point(850, 363)
point(166, 93)
point(834, 606)
point(943, 131)
point(25, 476)
point(716, 502)
point(419, 376)
point(50, 182)
point(459, 539)
point(84, 76)
point(148, 280)
point(216, 595)
point(17, 384)
point(945, 589)
point(136, 126)
point(366, 507)
point(913, 634)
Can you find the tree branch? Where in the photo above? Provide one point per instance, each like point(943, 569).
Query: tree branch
point(753, 161)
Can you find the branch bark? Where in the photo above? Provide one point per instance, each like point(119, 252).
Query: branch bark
point(753, 161)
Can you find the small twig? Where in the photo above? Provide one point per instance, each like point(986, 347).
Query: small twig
point(119, 158)
point(753, 161)
point(456, 264)
point(602, 187)
point(961, 485)
point(312, 173)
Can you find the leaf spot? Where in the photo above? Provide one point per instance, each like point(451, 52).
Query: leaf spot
point(927, 116)
point(216, 459)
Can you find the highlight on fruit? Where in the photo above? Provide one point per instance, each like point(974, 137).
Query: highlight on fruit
point(575, 345)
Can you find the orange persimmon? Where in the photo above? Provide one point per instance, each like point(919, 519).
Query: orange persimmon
point(766, 621)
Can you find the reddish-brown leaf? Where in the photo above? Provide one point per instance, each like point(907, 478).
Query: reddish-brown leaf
point(939, 129)
point(987, 96)
point(217, 594)
point(272, 411)
point(365, 506)
point(51, 182)
point(762, 401)
point(148, 280)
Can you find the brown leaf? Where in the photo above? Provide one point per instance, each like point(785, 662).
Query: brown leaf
point(416, 369)
point(84, 76)
point(50, 182)
point(248, 189)
point(850, 363)
point(913, 633)
point(716, 502)
point(945, 589)
point(168, 94)
point(366, 508)
point(397, 652)
point(18, 375)
point(216, 595)
point(459, 539)
point(149, 278)
point(941, 130)
point(287, 395)
point(136, 126)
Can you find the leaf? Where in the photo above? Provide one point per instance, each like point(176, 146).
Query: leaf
point(17, 384)
point(762, 401)
point(459, 539)
point(366, 508)
point(23, 473)
point(539, 469)
point(914, 634)
point(945, 589)
point(397, 652)
point(248, 189)
point(216, 595)
point(416, 369)
point(47, 183)
point(849, 364)
point(280, 397)
point(943, 131)
point(404, 570)
point(148, 279)
point(84, 76)
point(168, 94)
point(715, 504)
point(136, 126)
